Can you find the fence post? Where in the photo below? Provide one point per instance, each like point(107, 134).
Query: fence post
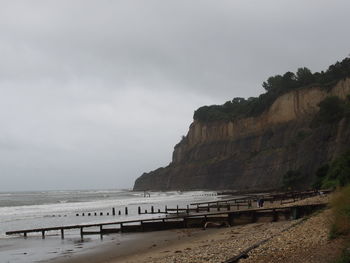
point(231, 219)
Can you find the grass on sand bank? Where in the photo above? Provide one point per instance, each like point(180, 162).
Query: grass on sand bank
point(340, 226)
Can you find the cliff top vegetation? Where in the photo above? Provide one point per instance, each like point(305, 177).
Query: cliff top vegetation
point(274, 86)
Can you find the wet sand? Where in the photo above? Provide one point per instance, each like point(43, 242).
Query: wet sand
point(136, 247)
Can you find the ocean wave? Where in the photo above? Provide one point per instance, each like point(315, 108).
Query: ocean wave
point(61, 209)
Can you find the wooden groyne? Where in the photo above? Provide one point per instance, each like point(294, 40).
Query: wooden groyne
point(249, 201)
point(182, 221)
point(233, 203)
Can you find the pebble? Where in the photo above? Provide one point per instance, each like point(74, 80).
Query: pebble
point(283, 247)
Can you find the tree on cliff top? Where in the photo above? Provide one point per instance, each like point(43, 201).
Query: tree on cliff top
point(274, 87)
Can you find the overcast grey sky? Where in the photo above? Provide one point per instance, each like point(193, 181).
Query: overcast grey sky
point(94, 93)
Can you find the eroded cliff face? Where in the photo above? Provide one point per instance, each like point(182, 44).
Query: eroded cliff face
point(254, 153)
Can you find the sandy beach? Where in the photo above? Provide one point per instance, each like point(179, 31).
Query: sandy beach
point(290, 241)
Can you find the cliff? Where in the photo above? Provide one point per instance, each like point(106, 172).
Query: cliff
point(254, 153)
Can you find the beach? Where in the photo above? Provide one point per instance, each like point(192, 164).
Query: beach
point(291, 240)
point(288, 241)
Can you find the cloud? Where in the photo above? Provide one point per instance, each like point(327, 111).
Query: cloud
point(93, 93)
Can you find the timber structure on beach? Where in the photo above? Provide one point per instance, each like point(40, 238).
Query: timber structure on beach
point(174, 221)
point(228, 203)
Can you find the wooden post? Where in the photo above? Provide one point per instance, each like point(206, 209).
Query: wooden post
point(208, 207)
point(81, 233)
point(274, 215)
point(126, 210)
point(166, 209)
point(101, 231)
point(231, 219)
point(141, 225)
point(89, 214)
point(101, 213)
point(145, 211)
point(62, 233)
point(43, 234)
point(188, 209)
point(158, 210)
point(152, 209)
point(139, 210)
point(217, 206)
point(254, 217)
point(113, 211)
point(177, 209)
point(119, 213)
point(95, 214)
point(185, 222)
point(83, 214)
point(25, 234)
point(197, 210)
point(295, 212)
point(77, 215)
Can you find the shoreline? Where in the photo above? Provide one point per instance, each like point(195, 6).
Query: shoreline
point(136, 247)
point(176, 245)
point(196, 245)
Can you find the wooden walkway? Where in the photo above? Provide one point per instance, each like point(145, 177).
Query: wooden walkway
point(182, 221)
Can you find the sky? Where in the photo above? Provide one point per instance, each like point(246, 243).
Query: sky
point(94, 93)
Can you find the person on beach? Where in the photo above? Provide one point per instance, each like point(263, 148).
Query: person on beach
point(261, 202)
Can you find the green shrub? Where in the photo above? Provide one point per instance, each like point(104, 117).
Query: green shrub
point(321, 174)
point(274, 86)
point(291, 179)
point(340, 205)
point(337, 174)
point(332, 109)
point(345, 256)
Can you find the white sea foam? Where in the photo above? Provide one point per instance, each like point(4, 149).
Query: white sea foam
point(26, 210)
point(52, 208)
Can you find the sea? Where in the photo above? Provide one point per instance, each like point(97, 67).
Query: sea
point(39, 209)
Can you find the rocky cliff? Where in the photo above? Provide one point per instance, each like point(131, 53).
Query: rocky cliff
point(254, 153)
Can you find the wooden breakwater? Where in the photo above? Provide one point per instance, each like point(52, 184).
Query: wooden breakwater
point(233, 203)
point(181, 221)
point(249, 201)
